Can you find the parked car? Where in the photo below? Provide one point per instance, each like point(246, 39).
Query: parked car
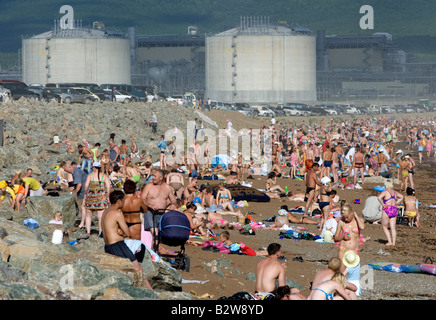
point(333, 110)
point(410, 108)
point(364, 110)
point(399, 108)
point(135, 91)
point(226, 107)
point(70, 95)
point(121, 96)
point(387, 109)
point(352, 109)
point(18, 90)
point(264, 111)
point(319, 111)
point(216, 104)
point(88, 92)
point(289, 111)
point(375, 109)
point(178, 98)
point(248, 111)
point(305, 109)
point(51, 94)
point(278, 111)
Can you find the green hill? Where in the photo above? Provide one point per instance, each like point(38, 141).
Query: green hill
point(411, 22)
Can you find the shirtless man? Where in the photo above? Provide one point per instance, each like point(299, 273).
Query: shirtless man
point(359, 164)
point(309, 158)
point(381, 158)
point(311, 183)
point(177, 182)
point(327, 157)
point(270, 270)
point(133, 149)
point(192, 162)
point(87, 154)
point(115, 230)
point(157, 196)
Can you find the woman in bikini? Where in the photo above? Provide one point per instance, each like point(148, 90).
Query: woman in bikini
point(411, 207)
point(333, 289)
point(389, 200)
point(271, 183)
point(224, 198)
point(132, 209)
point(348, 232)
point(105, 162)
point(124, 149)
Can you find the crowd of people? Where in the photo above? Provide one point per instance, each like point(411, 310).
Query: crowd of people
point(128, 194)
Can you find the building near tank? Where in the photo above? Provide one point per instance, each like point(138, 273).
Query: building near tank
point(258, 62)
point(77, 54)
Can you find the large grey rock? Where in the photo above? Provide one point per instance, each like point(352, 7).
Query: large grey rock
point(43, 208)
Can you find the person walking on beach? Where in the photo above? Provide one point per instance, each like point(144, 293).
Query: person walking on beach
point(311, 183)
point(389, 200)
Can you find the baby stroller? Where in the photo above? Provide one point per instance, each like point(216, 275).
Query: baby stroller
point(174, 230)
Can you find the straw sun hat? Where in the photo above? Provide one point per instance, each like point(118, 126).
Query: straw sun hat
point(351, 259)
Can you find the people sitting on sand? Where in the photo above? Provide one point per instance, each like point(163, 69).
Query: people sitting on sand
point(132, 172)
point(372, 211)
point(326, 274)
point(233, 179)
point(270, 273)
point(271, 183)
point(224, 198)
point(195, 221)
point(191, 190)
point(115, 230)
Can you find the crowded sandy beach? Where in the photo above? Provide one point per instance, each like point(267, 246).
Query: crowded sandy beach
point(327, 209)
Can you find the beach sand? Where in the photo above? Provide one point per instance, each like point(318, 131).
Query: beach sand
point(413, 246)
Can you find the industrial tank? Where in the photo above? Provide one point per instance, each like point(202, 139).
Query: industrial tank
point(261, 63)
point(77, 55)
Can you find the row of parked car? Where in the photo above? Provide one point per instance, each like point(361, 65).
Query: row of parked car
point(328, 109)
point(74, 92)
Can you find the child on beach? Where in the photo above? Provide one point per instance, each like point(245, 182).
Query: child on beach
point(411, 207)
point(57, 218)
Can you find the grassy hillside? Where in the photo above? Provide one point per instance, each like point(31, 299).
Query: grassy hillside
point(404, 19)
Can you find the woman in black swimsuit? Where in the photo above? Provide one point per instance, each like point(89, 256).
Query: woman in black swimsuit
point(132, 209)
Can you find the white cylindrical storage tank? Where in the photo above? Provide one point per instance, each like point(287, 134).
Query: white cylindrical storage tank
point(261, 65)
point(80, 55)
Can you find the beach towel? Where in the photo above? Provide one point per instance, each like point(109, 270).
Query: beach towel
point(241, 193)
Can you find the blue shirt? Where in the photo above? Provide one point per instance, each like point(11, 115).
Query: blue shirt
point(162, 144)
